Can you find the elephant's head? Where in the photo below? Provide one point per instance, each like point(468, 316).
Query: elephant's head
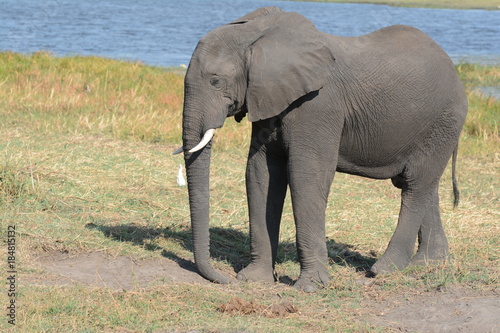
point(258, 64)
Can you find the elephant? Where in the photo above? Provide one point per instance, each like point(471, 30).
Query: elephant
point(386, 105)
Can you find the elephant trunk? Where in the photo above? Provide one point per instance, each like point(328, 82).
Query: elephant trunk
point(198, 173)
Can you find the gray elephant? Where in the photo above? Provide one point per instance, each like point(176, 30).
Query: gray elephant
point(387, 105)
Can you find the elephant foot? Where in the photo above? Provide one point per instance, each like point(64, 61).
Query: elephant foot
point(257, 273)
point(433, 250)
point(423, 258)
point(390, 263)
point(311, 281)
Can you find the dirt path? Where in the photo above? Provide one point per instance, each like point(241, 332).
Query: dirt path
point(450, 310)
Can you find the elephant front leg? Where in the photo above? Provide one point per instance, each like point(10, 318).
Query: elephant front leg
point(266, 180)
point(309, 189)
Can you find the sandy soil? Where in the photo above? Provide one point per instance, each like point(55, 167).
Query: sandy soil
point(121, 273)
point(454, 309)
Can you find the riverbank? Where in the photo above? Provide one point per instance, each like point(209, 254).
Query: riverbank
point(450, 4)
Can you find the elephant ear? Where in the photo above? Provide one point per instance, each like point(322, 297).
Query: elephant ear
point(290, 60)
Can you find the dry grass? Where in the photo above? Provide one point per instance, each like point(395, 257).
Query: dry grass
point(70, 182)
point(90, 94)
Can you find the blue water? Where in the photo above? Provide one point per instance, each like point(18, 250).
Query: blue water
point(165, 33)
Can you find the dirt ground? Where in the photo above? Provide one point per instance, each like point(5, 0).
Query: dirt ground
point(453, 309)
point(120, 273)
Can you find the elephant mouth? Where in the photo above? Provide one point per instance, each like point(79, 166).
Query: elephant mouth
point(238, 111)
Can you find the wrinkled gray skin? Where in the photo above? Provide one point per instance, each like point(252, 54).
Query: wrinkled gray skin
point(385, 105)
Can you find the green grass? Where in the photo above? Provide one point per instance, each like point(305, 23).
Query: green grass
point(482, 124)
point(463, 4)
point(85, 171)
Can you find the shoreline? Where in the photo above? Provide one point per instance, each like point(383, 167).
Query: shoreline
point(446, 4)
point(488, 60)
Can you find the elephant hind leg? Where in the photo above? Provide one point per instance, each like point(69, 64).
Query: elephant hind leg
point(419, 213)
point(402, 244)
point(432, 242)
point(420, 216)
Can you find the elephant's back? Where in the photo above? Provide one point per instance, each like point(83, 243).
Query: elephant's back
point(397, 63)
point(394, 44)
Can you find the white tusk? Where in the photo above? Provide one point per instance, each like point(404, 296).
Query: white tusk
point(206, 139)
point(178, 151)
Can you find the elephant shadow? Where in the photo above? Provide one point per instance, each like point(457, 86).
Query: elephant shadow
point(227, 245)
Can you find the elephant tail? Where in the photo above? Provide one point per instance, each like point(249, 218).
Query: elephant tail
point(456, 192)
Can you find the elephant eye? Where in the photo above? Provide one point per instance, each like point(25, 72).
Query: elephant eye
point(216, 82)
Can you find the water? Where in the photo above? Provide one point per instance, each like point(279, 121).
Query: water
point(165, 33)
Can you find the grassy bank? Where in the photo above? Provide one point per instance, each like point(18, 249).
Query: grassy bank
point(85, 167)
point(465, 4)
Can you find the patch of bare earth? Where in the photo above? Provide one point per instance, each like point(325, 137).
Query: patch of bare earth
point(116, 272)
point(451, 309)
